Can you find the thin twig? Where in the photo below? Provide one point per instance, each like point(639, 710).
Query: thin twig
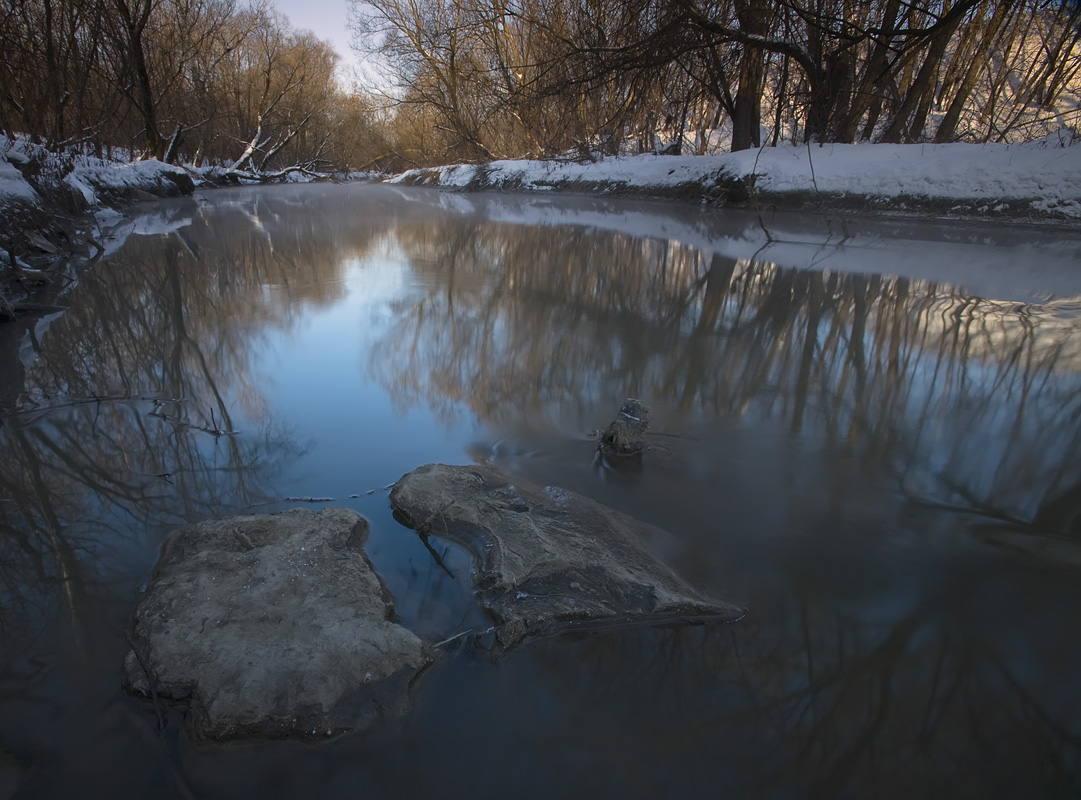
point(457, 636)
point(810, 163)
point(371, 491)
point(149, 679)
point(435, 555)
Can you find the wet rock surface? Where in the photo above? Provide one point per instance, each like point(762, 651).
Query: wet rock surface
point(273, 625)
point(548, 560)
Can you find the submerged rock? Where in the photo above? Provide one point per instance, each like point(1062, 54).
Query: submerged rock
point(273, 625)
point(548, 560)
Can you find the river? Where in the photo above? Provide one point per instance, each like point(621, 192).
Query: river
point(870, 431)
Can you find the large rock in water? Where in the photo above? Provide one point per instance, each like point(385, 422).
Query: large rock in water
point(548, 559)
point(273, 625)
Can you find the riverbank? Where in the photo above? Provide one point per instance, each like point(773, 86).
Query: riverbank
point(1036, 181)
point(53, 208)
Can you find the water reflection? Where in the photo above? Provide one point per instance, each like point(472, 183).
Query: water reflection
point(886, 674)
point(141, 411)
point(963, 399)
point(845, 447)
point(897, 710)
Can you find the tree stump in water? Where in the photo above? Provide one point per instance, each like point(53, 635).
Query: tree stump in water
point(626, 435)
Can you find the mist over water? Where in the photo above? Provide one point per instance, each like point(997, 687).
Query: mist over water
point(865, 432)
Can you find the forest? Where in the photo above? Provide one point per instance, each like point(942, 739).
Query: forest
point(217, 82)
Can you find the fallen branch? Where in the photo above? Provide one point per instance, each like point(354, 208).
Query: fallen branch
point(673, 435)
point(371, 491)
point(214, 431)
point(81, 401)
point(270, 177)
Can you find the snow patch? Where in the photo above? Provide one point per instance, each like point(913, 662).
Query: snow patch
point(150, 175)
point(1043, 176)
point(88, 194)
point(13, 186)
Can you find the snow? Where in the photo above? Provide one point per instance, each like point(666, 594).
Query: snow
point(98, 176)
point(954, 171)
point(13, 185)
point(78, 185)
point(1042, 177)
point(89, 177)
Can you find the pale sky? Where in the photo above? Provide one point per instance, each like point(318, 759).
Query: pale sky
point(327, 19)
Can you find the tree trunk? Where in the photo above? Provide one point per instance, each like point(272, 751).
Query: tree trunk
point(747, 109)
point(868, 88)
point(754, 19)
point(134, 20)
point(947, 128)
point(907, 124)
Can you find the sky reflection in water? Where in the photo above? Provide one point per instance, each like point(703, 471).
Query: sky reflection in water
point(884, 470)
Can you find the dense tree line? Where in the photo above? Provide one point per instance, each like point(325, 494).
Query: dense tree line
point(214, 81)
point(205, 81)
point(538, 77)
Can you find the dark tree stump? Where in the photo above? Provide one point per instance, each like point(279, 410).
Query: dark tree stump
point(626, 435)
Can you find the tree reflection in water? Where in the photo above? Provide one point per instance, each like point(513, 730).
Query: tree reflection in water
point(968, 407)
point(851, 444)
point(962, 399)
point(140, 412)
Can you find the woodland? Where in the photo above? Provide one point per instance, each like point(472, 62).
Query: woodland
point(217, 82)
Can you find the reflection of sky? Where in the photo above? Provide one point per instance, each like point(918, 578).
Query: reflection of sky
point(316, 384)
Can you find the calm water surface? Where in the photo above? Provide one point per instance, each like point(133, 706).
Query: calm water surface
point(872, 435)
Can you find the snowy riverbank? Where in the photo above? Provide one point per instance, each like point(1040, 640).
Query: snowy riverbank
point(35, 177)
point(48, 201)
point(1038, 180)
point(56, 205)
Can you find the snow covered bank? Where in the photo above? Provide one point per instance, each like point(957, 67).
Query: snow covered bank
point(13, 186)
point(32, 175)
point(1035, 180)
point(45, 205)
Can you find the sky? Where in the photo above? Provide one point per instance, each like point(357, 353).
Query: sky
point(327, 19)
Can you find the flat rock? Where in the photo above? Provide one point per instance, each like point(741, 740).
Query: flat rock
point(273, 625)
point(548, 560)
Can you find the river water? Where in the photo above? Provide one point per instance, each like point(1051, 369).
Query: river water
point(870, 438)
